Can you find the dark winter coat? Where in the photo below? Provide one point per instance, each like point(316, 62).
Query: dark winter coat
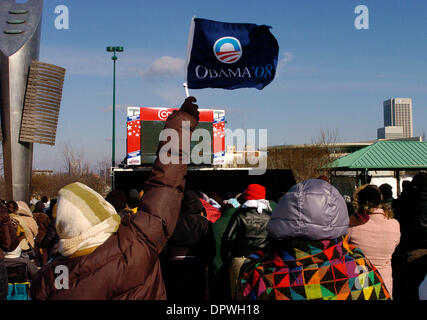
point(219, 228)
point(246, 232)
point(51, 237)
point(126, 266)
point(412, 215)
point(8, 239)
point(192, 237)
point(189, 251)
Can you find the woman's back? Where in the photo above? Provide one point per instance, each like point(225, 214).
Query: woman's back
point(378, 238)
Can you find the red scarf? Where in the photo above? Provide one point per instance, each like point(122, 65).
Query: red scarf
point(358, 219)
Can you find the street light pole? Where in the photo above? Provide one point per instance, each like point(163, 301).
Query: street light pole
point(113, 151)
point(113, 155)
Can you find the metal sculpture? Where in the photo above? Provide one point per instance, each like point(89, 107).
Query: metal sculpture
point(42, 103)
point(20, 28)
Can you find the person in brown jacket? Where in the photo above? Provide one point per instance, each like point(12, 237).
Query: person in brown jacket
point(43, 222)
point(105, 259)
point(8, 239)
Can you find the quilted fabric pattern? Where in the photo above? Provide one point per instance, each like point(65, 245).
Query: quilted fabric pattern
point(311, 270)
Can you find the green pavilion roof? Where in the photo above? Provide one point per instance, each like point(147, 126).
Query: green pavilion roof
point(386, 155)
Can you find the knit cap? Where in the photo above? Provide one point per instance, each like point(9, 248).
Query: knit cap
point(255, 192)
point(84, 219)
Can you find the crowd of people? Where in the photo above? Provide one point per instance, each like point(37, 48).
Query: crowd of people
point(169, 242)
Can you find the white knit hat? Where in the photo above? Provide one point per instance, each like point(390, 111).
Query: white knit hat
point(84, 219)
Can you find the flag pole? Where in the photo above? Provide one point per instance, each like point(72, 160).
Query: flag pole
point(189, 48)
point(187, 94)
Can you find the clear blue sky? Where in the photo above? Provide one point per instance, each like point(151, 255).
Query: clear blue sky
point(332, 76)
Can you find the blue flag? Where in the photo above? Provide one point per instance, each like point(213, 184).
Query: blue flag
point(230, 55)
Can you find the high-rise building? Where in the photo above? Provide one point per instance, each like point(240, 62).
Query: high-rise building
point(398, 113)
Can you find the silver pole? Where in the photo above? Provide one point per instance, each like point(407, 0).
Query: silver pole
point(20, 28)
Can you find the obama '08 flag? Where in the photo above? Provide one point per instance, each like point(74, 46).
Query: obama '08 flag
point(230, 55)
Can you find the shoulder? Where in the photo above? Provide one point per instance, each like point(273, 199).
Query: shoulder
point(43, 217)
point(394, 225)
point(246, 211)
point(386, 221)
point(195, 218)
point(393, 221)
point(43, 283)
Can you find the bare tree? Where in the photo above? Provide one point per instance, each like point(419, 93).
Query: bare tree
point(72, 159)
point(326, 137)
point(307, 161)
point(50, 185)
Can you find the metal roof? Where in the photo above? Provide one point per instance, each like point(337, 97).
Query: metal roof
point(386, 155)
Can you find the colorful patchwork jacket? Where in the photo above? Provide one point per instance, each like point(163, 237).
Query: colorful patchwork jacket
point(310, 270)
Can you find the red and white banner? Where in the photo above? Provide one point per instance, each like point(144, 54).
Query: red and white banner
point(161, 114)
point(135, 127)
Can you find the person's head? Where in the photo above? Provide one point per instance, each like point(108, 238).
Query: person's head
point(310, 210)
point(191, 203)
point(39, 207)
point(44, 199)
point(12, 206)
point(118, 199)
point(84, 218)
point(406, 185)
point(23, 209)
point(386, 191)
point(255, 192)
point(419, 182)
point(133, 198)
point(368, 198)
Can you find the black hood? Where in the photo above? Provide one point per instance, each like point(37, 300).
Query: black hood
point(191, 203)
